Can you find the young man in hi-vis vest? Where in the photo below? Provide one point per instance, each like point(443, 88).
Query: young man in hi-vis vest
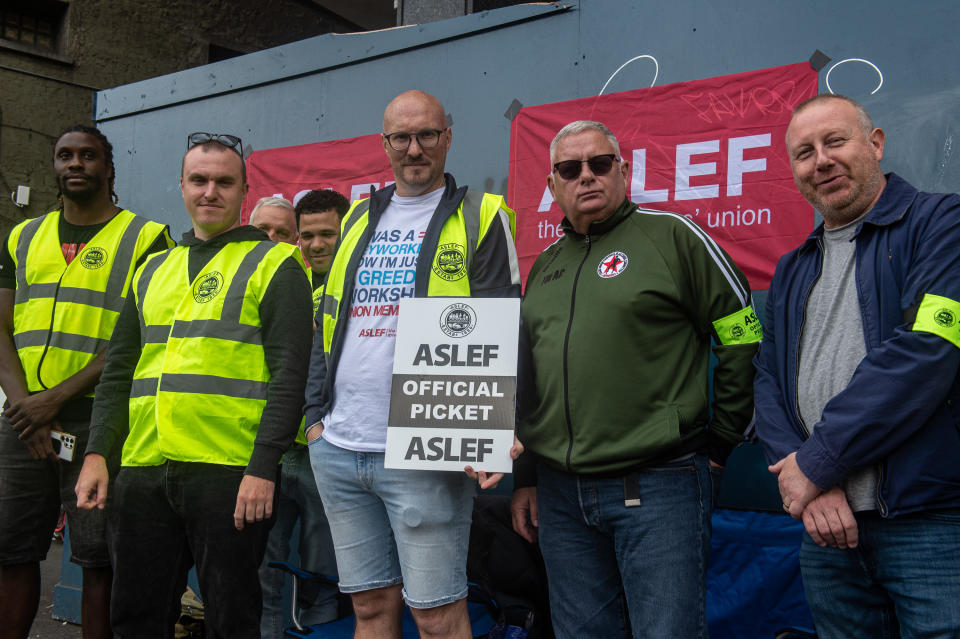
point(203, 380)
point(63, 280)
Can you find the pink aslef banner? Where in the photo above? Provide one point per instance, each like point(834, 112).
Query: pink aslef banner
point(712, 150)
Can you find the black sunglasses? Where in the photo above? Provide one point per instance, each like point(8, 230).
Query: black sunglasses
point(599, 165)
point(229, 141)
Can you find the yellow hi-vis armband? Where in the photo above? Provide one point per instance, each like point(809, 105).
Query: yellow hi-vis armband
point(940, 316)
point(741, 327)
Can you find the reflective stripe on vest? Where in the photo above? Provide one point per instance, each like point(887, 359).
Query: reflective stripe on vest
point(460, 236)
point(201, 383)
point(64, 314)
point(317, 296)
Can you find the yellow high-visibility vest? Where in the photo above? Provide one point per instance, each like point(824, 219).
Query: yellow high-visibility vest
point(200, 385)
point(460, 236)
point(64, 314)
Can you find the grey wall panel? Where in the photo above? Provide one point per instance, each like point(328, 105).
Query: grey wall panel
point(914, 46)
point(467, 65)
point(336, 86)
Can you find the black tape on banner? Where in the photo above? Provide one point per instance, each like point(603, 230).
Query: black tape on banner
point(513, 109)
point(818, 60)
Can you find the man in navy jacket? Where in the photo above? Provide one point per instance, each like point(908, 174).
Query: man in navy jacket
point(857, 389)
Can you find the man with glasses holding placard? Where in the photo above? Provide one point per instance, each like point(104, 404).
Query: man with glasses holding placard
point(202, 388)
point(396, 529)
point(618, 320)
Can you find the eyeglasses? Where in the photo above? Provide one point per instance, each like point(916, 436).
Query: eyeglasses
point(427, 139)
point(599, 165)
point(229, 141)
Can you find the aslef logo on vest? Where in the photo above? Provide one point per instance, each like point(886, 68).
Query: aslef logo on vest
point(450, 262)
point(612, 264)
point(207, 286)
point(93, 257)
point(458, 320)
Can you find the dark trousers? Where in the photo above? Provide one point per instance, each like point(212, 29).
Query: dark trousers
point(619, 570)
point(166, 519)
point(902, 579)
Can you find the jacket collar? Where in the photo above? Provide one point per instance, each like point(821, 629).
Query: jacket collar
point(245, 233)
point(607, 224)
point(381, 199)
point(449, 202)
point(895, 200)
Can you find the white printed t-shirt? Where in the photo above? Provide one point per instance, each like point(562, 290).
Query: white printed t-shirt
point(361, 392)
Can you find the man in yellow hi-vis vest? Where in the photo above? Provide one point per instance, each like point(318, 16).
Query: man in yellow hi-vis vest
point(422, 236)
point(316, 215)
point(63, 279)
point(319, 214)
point(203, 379)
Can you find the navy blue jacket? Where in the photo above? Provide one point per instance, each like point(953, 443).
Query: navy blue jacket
point(901, 409)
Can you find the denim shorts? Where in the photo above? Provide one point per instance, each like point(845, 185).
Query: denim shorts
point(31, 493)
point(395, 526)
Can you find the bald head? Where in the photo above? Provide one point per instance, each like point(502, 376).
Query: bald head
point(415, 101)
point(416, 140)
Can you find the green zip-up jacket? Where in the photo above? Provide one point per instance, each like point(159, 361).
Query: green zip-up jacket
point(617, 329)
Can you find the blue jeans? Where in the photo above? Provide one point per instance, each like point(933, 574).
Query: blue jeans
point(621, 571)
point(902, 579)
point(299, 499)
point(391, 526)
point(164, 520)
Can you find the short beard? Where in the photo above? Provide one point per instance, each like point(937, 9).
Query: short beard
point(841, 213)
point(81, 196)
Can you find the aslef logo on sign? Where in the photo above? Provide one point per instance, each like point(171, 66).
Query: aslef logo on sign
point(458, 320)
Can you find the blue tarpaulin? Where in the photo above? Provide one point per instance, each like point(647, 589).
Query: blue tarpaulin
point(753, 584)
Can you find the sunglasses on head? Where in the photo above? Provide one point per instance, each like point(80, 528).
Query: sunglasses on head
point(229, 141)
point(599, 165)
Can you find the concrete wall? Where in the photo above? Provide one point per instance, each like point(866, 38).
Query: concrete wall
point(105, 43)
point(334, 86)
